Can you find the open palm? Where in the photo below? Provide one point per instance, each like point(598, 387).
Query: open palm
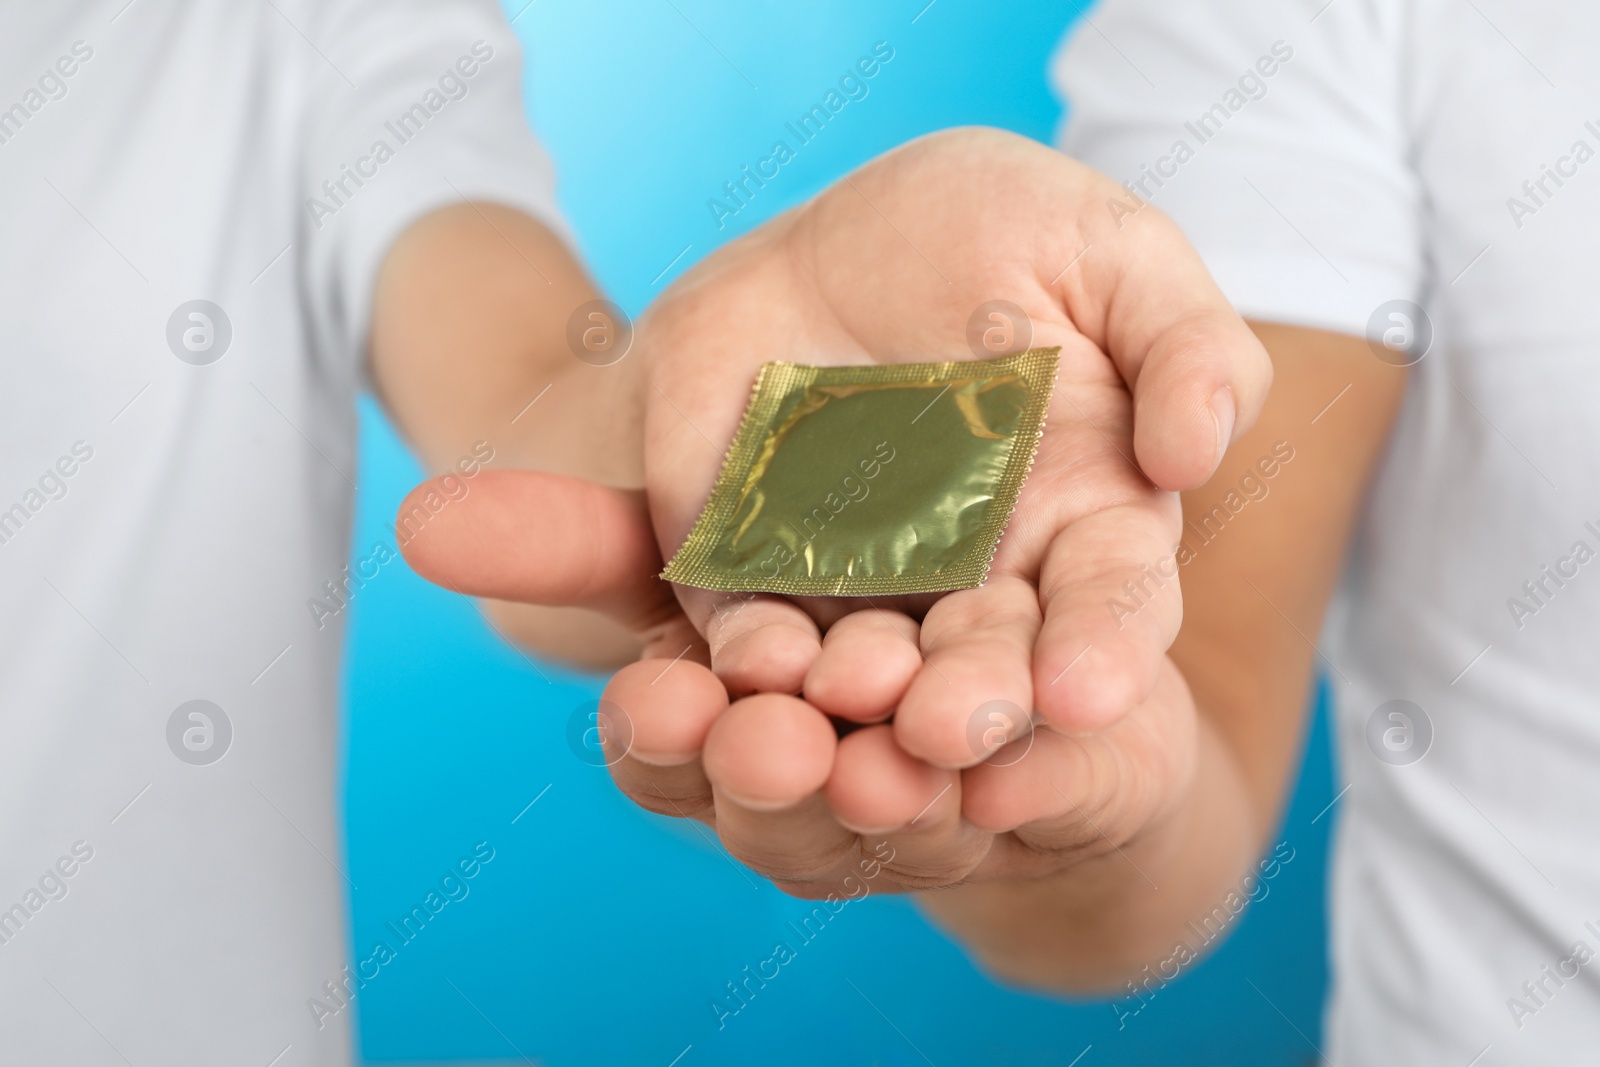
point(854, 719)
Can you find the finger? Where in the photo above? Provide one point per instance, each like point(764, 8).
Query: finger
point(670, 706)
point(540, 539)
point(978, 649)
point(769, 752)
point(1034, 797)
point(767, 758)
point(1128, 279)
point(1022, 784)
point(1110, 591)
point(1085, 795)
point(867, 660)
point(876, 787)
point(758, 643)
point(675, 638)
point(1198, 374)
point(658, 713)
point(1093, 789)
point(909, 811)
point(1203, 384)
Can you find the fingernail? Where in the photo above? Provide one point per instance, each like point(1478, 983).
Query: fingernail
point(1222, 413)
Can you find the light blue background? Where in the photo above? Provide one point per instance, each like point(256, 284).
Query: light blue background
point(599, 934)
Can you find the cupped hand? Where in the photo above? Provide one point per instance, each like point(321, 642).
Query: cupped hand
point(891, 265)
point(816, 812)
point(858, 722)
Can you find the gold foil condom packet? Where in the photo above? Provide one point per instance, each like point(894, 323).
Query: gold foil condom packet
point(870, 481)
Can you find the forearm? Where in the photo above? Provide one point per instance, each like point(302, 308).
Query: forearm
point(1097, 925)
point(472, 357)
point(470, 348)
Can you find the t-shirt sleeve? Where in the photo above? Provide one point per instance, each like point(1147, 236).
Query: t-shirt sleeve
point(416, 105)
point(1275, 135)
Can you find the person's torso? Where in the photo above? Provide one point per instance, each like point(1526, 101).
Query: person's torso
point(176, 460)
point(1463, 657)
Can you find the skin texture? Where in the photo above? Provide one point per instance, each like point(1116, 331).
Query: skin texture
point(888, 267)
point(469, 325)
point(1147, 768)
point(1254, 600)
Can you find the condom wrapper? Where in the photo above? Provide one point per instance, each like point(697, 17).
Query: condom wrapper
point(870, 481)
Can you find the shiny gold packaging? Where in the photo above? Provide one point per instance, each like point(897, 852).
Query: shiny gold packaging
point(870, 481)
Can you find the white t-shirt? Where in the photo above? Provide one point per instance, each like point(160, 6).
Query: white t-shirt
point(176, 485)
point(1339, 156)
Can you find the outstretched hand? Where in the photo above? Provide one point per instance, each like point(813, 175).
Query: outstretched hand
point(1157, 374)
